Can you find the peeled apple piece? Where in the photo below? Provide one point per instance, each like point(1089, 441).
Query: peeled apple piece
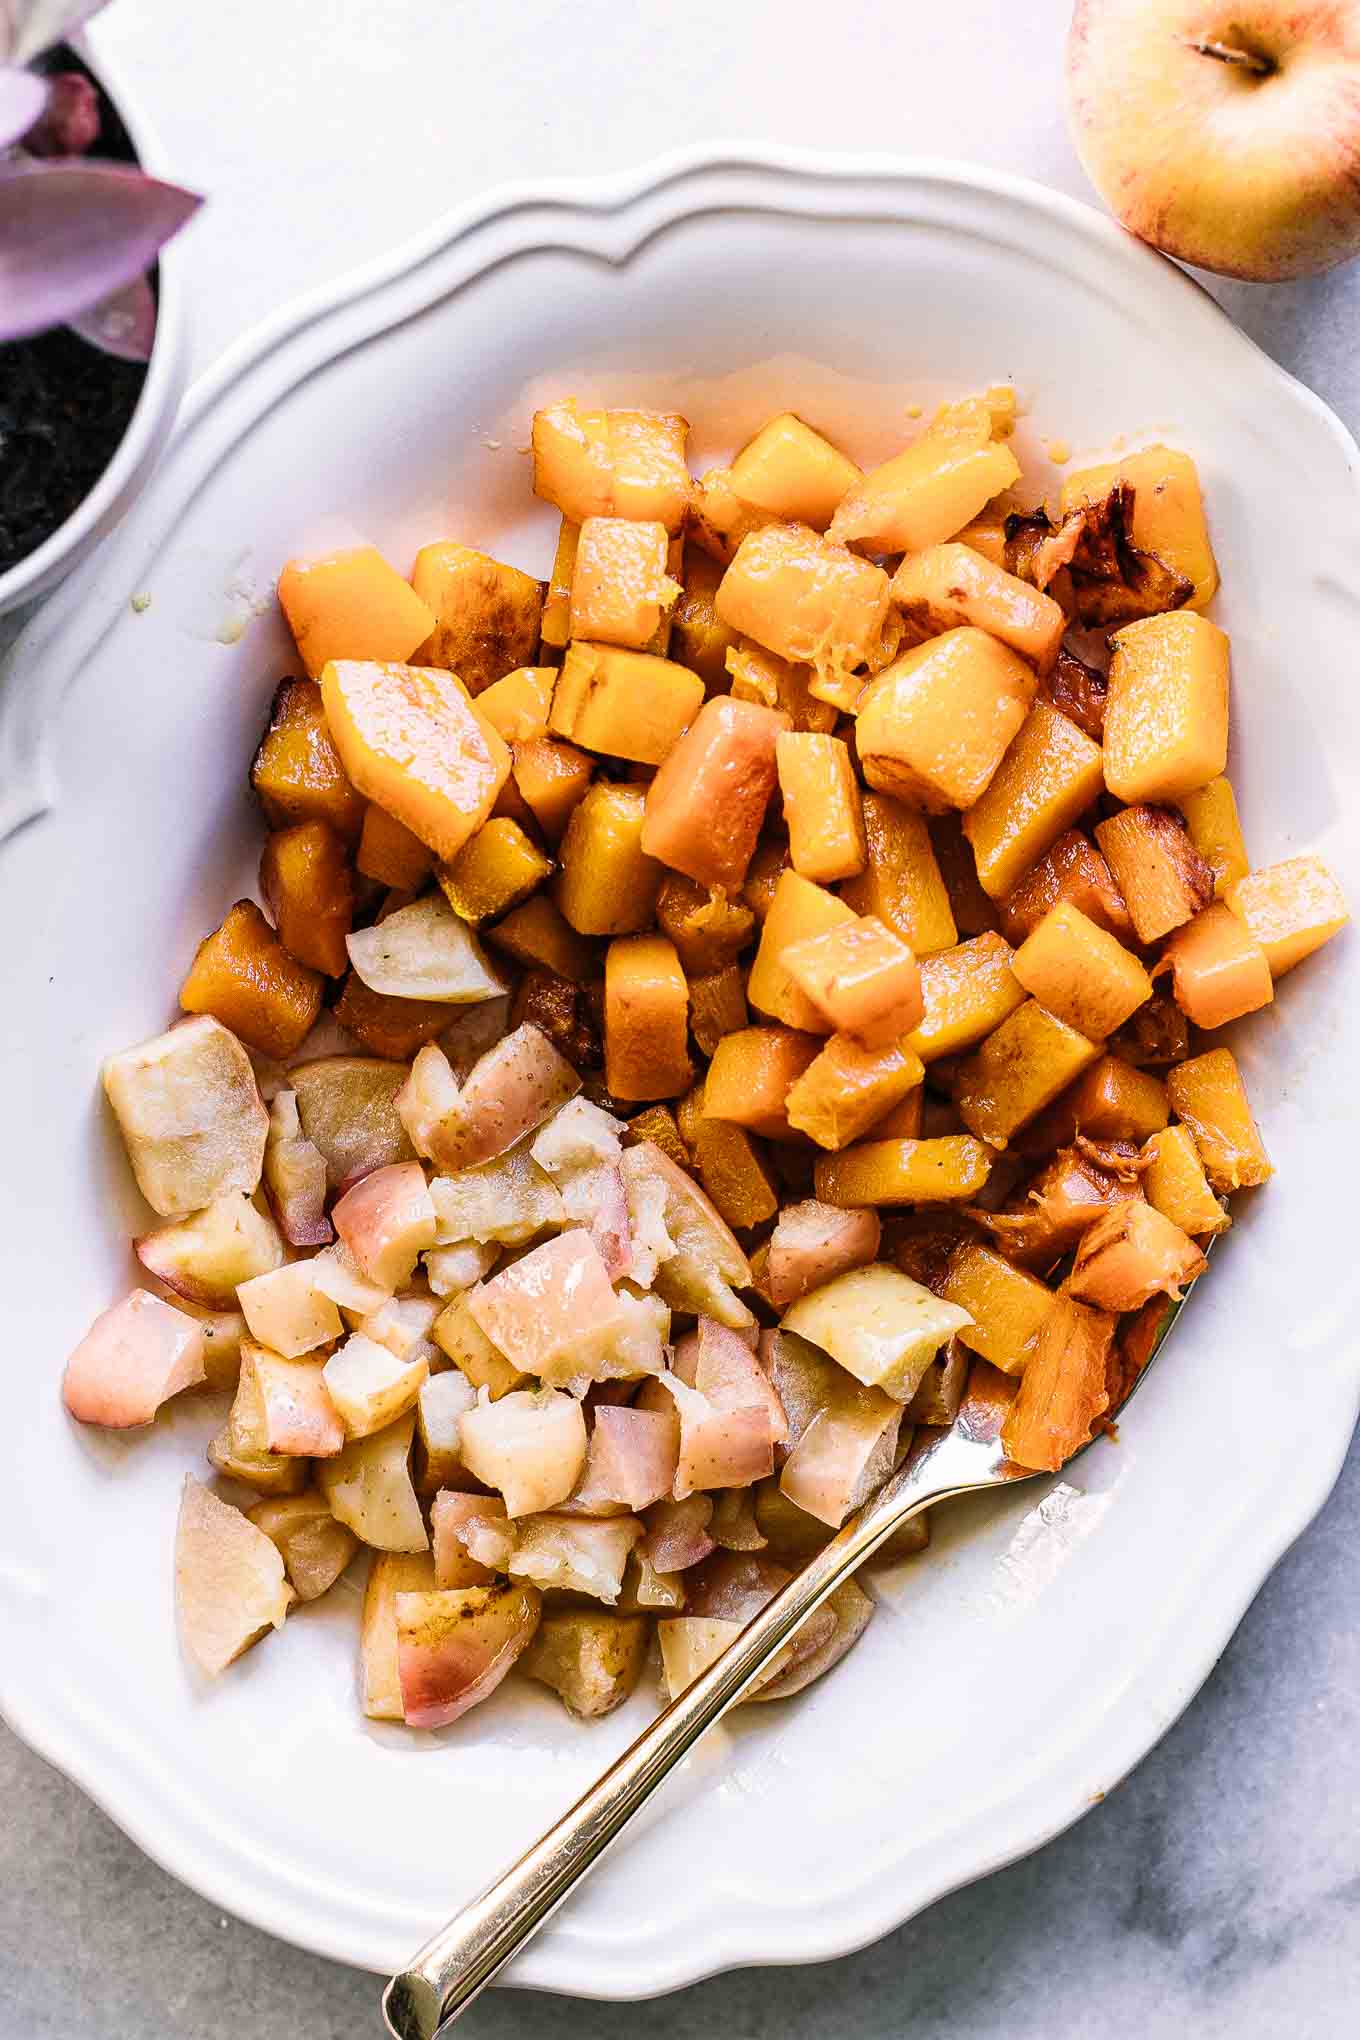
point(881, 1326)
point(190, 1114)
point(229, 1580)
point(424, 952)
point(368, 1485)
point(205, 1257)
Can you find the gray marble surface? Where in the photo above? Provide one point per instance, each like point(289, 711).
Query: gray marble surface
point(1217, 1893)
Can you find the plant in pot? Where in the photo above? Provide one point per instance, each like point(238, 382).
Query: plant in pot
point(83, 407)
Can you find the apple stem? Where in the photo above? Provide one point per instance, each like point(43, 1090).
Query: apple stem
point(1231, 53)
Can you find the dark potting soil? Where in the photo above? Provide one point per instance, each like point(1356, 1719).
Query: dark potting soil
point(64, 406)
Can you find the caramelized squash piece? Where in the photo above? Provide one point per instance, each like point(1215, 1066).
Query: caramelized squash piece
point(1218, 971)
point(798, 911)
point(707, 802)
point(698, 639)
point(536, 934)
point(486, 615)
point(862, 979)
point(495, 869)
point(761, 676)
point(1050, 774)
point(1168, 510)
point(1131, 1254)
point(309, 889)
point(948, 586)
point(297, 773)
point(1046, 1216)
point(385, 1026)
point(903, 1121)
point(1109, 1101)
point(902, 885)
point(707, 928)
point(849, 1087)
point(806, 599)
point(594, 463)
point(966, 992)
point(1073, 870)
point(1078, 691)
point(734, 1172)
point(821, 805)
point(626, 704)
point(517, 705)
point(657, 1124)
point(1175, 1184)
point(719, 519)
point(1006, 1305)
point(390, 853)
point(646, 1019)
point(1081, 973)
point(881, 1172)
point(559, 1009)
point(555, 623)
point(1018, 1070)
point(620, 588)
point(1208, 1094)
point(791, 472)
point(551, 778)
point(351, 605)
point(750, 1076)
point(1157, 868)
point(926, 494)
point(1062, 1390)
point(1210, 816)
point(717, 1007)
point(1166, 716)
point(607, 884)
point(935, 724)
point(769, 861)
point(244, 977)
point(986, 533)
point(1291, 909)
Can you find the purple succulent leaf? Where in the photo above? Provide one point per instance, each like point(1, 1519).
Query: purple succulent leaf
point(28, 27)
point(70, 120)
point(122, 324)
point(22, 99)
point(71, 233)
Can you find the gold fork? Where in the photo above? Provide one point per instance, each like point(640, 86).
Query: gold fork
point(463, 1957)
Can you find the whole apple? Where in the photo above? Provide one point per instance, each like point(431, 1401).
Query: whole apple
point(1226, 135)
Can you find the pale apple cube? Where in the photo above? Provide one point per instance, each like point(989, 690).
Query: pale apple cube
point(370, 1386)
point(580, 1136)
point(295, 1176)
point(530, 1446)
point(649, 1242)
point(403, 1324)
point(452, 1269)
point(428, 1104)
point(461, 1339)
point(336, 1274)
point(554, 1312)
point(135, 1356)
point(387, 1220)
point(507, 1094)
point(443, 1402)
point(190, 1114)
point(506, 1201)
point(315, 1549)
point(423, 952)
point(881, 1326)
point(205, 1257)
point(287, 1312)
point(368, 1485)
point(575, 1554)
point(283, 1407)
point(454, 1518)
point(229, 1580)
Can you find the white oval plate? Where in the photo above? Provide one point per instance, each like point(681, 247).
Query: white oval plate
point(1044, 1644)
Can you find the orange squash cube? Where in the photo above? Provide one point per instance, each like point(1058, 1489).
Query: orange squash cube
point(389, 852)
point(791, 472)
point(761, 676)
point(389, 1027)
point(717, 1007)
point(798, 911)
point(352, 605)
point(309, 889)
point(986, 533)
point(707, 802)
point(551, 778)
point(1208, 1094)
point(878, 1172)
point(657, 1124)
point(1072, 870)
point(926, 494)
point(593, 463)
point(806, 599)
point(698, 639)
point(536, 934)
point(1050, 774)
point(1166, 712)
point(769, 861)
point(863, 980)
point(1175, 1184)
point(620, 589)
point(1210, 815)
point(1062, 1390)
point(555, 623)
point(902, 1121)
point(486, 615)
point(966, 992)
point(750, 1076)
point(244, 977)
point(411, 740)
point(973, 912)
point(1110, 1101)
point(901, 884)
point(493, 871)
point(734, 1173)
point(646, 1020)
point(517, 706)
point(707, 928)
point(623, 703)
point(948, 586)
point(607, 884)
point(1131, 1254)
point(1218, 971)
point(1168, 510)
point(1081, 973)
point(297, 774)
point(821, 805)
point(1017, 1070)
point(1007, 1306)
point(1157, 868)
point(718, 517)
point(849, 1087)
point(935, 724)
point(1291, 909)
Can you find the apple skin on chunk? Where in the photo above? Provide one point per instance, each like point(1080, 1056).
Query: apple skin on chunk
point(134, 1357)
point(205, 1257)
point(455, 1645)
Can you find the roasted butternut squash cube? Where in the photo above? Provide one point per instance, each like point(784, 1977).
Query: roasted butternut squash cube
point(707, 928)
point(879, 1172)
point(594, 463)
point(486, 614)
point(1218, 970)
point(1175, 1184)
point(986, 533)
point(903, 1121)
point(718, 517)
point(607, 884)
point(297, 774)
point(849, 1087)
point(934, 726)
point(1017, 1070)
point(798, 911)
point(352, 605)
point(390, 853)
point(901, 884)
point(791, 472)
point(863, 980)
point(1291, 909)
point(309, 889)
point(495, 869)
point(698, 639)
point(1081, 973)
point(517, 705)
point(821, 805)
point(1168, 510)
point(1162, 876)
point(244, 977)
point(1050, 775)
point(555, 623)
point(1210, 815)
point(769, 862)
point(761, 676)
point(1131, 1254)
point(536, 934)
point(551, 778)
point(750, 1076)
point(799, 595)
point(966, 992)
point(411, 740)
point(389, 1027)
point(948, 586)
point(1062, 1390)
point(646, 1019)
point(1208, 1094)
point(1110, 1101)
point(717, 1007)
point(621, 589)
point(625, 704)
point(1072, 870)
point(1166, 712)
point(1006, 1305)
point(707, 802)
point(973, 912)
point(734, 1172)
point(657, 1124)
point(930, 491)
